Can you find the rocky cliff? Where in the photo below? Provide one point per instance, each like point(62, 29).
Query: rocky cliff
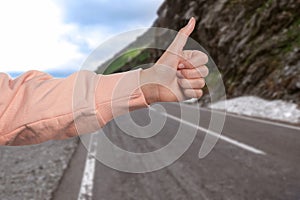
point(255, 44)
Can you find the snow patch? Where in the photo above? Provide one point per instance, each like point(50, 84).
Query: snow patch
point(257, 107)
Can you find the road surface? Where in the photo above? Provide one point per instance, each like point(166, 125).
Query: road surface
point(255, 159)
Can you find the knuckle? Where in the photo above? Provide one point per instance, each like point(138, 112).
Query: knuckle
point(181, 30)
point(182, 83)
point(200, 93)
point(202, 56)
point(197, 53)
point(191, 93)
point(205, 58)
point(186, 93)
point(201, 82)
point(203, 71)
point(197, 73)
point(189, 64)
point(185, 73)
point(179, 82)
point(190, 74)
point(206, 71)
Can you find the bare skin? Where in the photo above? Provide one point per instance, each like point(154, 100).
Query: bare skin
point(178, 74)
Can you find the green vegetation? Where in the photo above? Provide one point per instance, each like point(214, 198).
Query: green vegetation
point(213, 78)
point(118, 63)
point(292, 37)
point(135, 54)
point(264, 6)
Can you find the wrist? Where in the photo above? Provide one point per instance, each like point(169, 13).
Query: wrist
point(149, 86)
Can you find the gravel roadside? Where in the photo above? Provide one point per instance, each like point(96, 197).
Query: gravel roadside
point(33, 172)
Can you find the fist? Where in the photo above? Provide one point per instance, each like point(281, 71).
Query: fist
point(178, 74)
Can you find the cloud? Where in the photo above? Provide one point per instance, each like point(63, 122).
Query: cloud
point(99, 20)
point(59, 35)
point(114, 14)
point(31, 36)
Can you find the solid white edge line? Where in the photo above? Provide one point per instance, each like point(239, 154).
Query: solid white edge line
point(279, 124)
point(235, 115)
point(87, 182)
point(222, 137)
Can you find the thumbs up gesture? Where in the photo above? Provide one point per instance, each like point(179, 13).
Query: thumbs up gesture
point(178, 74)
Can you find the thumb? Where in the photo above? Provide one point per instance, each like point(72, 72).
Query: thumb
point(182, 36)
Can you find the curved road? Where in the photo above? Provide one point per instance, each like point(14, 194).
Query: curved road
point(255, 159)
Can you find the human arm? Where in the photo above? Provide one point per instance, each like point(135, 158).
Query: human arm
point(36, 107)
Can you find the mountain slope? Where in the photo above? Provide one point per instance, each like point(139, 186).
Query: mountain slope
point(255, 44)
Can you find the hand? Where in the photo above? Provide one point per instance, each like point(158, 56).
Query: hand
point(177, 75)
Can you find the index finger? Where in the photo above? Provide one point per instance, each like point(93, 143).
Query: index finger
point(198, 59)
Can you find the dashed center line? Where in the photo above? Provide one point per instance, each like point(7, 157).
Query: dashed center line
point(87, 183)
point(221, 137)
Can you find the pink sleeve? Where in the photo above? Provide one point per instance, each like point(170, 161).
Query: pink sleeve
point(36, 107)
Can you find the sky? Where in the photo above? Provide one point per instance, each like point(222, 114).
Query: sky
point(57, 36)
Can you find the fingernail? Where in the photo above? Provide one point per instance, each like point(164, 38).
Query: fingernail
point(181, 66)
point(190, 21)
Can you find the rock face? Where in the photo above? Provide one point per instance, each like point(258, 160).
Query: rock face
point(255, 44)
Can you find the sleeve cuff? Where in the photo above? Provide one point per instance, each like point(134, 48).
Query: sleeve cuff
point(118, 94)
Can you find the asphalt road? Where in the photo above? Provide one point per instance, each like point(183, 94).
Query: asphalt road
point(228, 172)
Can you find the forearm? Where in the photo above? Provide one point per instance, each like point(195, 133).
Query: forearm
point(35, 107)
point(119, 93)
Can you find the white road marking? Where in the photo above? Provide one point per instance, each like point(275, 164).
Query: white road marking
point(279, 124)
point(222, 137)
point(244, 117)
point(87, 182)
